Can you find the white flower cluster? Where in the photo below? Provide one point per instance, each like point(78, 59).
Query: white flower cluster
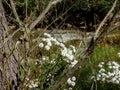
point(32, 83)
point(53, 61)
point(47, 40)
point(45, 58)
point(68, 53)
point(71, 81)
point(119, 54)
point(73, 63)
point(111, 75)
point(50, 41)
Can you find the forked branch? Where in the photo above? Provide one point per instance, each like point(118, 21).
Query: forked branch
point(42, 15)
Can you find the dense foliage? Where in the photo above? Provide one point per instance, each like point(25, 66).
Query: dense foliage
point(74, 12)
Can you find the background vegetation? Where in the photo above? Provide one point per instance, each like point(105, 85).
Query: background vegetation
point(49, 59)
point(74, 12)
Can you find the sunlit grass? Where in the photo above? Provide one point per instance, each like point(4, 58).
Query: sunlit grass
point(101, 54)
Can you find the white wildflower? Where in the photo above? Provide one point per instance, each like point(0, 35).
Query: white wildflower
point(62, 45)
point(27, 79)
point(49, 75)
point(44, 39)
point(69, 51)
point(41, 45)
point(99, 75)
point(103, 74)
point(101, 70)
point(52, 39)
point(73, 48)
point(48, 35)
point(110, 74)
point(33, 84)
point(70, 88)
point(110, 66)
point(73, 63)
point(70, 57)
point(56, 42)
point(115, 67)
point(43, 58)
point(49, 44)
point(103, 79)
point(93, 77)
point(47, 47)
point(73, 84)
point(69, 81)
point(53, 61)
point(98, 78)
point(113, 79)
point(115, 63)
point(100, 65)
point(119, 54)
point(64, 52)
point(117, 81)
point(73, 78)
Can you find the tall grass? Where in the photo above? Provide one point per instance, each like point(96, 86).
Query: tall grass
point(101, 54)
point(57, 58)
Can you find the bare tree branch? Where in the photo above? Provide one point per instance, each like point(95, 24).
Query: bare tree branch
point(104, 20)
point(87, 53)
point(42, 15)
point(14, 10)
point(9, 58)
point(114, 28)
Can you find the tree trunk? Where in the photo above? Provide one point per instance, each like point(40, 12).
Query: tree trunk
point(9, 58)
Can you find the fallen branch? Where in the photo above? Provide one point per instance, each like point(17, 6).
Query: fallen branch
point(104, 20)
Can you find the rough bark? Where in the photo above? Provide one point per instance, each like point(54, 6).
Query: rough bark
point(9, 58)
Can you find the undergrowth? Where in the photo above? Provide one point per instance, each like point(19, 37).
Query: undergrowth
point(57, 58)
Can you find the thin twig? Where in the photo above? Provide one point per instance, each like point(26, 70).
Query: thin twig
point(42, 15)
point(14, 10)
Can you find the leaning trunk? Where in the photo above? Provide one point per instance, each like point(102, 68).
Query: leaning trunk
point(9, 58)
